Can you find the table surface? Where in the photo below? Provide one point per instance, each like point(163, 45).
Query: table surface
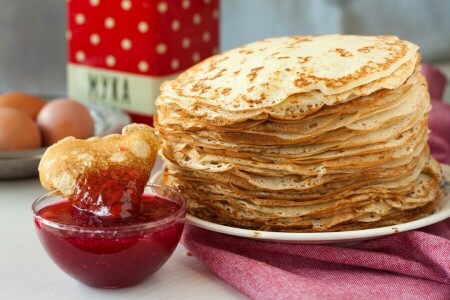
point(26, 272)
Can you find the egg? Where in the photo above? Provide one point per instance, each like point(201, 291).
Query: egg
point(17, 131)
point(63, 117)
point(29, 104)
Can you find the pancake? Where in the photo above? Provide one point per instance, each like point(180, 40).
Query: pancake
point(302, 134)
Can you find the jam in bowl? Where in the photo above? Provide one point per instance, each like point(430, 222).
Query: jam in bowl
point(106, 253)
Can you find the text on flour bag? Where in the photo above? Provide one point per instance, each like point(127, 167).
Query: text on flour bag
point(120, 51)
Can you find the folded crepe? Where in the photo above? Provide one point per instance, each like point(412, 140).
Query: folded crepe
point(302, 133)
point(103, 175)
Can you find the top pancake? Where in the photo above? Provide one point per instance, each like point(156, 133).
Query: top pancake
point(265, 73)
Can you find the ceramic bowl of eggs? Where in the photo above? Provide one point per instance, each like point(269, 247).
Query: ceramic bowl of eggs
point(29, 124)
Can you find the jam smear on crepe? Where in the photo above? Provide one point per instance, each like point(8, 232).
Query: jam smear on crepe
point(113, 193)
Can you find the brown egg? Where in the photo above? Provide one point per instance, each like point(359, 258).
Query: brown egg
point(17, 131)
point(64, 117)
point(29, 104)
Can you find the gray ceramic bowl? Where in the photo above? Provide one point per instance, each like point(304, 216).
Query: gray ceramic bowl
point(22, 164)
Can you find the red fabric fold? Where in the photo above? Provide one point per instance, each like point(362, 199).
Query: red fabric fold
point(408, 265)
point(439, 120)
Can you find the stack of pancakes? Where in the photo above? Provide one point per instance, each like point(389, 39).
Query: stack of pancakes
point(302, 134)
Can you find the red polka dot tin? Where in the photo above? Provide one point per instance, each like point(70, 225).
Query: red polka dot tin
point(120, 51)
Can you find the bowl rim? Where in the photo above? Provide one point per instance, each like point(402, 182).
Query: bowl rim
point(179, 215)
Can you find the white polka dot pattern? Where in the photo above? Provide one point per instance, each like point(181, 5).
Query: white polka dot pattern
point(186, 42)
point(196, 57)
point(143, 36)
point(109, 22)
point(206, 36)
point(162, 7)
point(143, 66)
point(94, 39)
point(196, 19)
point(174, 64)
point(94, 2)
point(215, 14)
point(161, 48)
point(185, 4)
point(80, 19)
point(126, 44)
point(143, 27)
point(126, 4)
point(110, 61)
point(175, 25)
point(80, 56)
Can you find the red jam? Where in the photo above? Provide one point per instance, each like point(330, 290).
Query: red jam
point(114, 193)
point(115, 255)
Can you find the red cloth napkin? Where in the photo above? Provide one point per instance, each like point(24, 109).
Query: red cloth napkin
point(408, 265)
point(439, 121)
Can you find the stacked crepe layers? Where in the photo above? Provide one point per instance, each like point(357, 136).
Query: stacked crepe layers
point(302, 134)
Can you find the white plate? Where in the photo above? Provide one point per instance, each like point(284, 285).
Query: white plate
point(342, 237)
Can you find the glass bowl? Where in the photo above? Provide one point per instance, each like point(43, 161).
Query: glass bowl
point(111, 254)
